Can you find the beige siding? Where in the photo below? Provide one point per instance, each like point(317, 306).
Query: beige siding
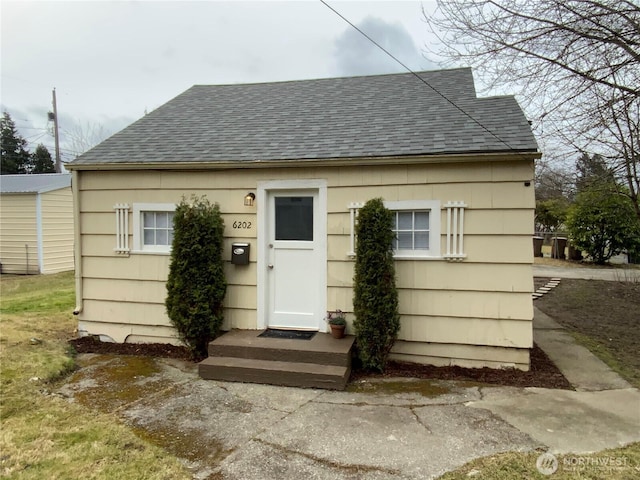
point(57, 230)
point(474, 312)
point(18, 234)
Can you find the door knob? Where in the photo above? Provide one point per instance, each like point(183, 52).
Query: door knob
point(270, 266)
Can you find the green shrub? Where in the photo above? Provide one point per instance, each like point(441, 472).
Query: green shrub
point(603, 223)
point(375, 299)
point(196, 285)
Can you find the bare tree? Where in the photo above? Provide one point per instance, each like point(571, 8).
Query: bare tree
point(576, 64)
point(84, 136)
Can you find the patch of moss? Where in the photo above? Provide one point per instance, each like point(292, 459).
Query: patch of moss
point(192, 445)
point(118, 381)
point(425, 388)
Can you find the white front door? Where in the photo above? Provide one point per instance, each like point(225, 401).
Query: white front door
point(295, 256)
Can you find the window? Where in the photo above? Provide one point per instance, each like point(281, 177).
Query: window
point(412, 230)
point(416, 225)
point(153, 227)
point(294, 218)
point(157, 228)
point(417, 228)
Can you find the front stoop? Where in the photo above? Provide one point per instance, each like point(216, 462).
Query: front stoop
point(242, 356)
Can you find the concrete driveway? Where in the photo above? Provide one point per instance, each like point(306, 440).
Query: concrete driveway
point(393, 429)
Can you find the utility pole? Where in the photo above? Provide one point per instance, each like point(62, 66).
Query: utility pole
point(55, 133)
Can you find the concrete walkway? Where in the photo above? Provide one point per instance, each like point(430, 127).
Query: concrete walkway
point(603, 412)
point(581, 368)
point(588, 273)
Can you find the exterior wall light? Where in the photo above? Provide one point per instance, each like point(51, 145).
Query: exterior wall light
point(249, 198)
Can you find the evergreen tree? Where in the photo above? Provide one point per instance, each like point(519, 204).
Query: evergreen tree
point(13, 152)
point(196, 285)
point(591, 171)
point(375, 298)
point(41, 161)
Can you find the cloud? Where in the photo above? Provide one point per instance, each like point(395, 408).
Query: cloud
point(355, 55)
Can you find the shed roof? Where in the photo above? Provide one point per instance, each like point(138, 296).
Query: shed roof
point(333, 118)
point(36, 183)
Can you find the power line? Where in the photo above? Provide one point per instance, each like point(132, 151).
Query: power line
point(477, 122)
point(36, 137)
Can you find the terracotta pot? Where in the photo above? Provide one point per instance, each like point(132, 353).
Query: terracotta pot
point(337, 331)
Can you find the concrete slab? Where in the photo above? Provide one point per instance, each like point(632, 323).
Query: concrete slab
point(260, 460)
point(384, 429)
point(414, 442)
point(568, 421)
point(284, 399)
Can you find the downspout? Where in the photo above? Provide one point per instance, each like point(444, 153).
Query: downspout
point(39, 239)
point(77, 251)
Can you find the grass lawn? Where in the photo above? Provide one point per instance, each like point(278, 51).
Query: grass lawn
point(43, 436)
point(614, 464)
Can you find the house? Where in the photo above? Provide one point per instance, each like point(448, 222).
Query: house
point(290, 163)
point(36, 223)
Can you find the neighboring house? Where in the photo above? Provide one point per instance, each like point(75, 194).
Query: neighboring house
point(36, 223)
point(290, 163)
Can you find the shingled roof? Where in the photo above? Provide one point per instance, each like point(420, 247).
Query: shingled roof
point(334, 118)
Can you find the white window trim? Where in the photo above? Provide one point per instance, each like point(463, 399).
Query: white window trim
point(433, 206)
point(138, 246)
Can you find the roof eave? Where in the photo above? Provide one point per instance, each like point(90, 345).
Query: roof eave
point(525, 155)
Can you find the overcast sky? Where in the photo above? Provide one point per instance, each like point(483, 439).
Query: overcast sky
point(110, 61)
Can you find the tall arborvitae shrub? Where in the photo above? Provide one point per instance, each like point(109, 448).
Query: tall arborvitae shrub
point(375, 299)
point(196, 285)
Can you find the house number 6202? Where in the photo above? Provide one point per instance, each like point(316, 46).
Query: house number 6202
point(237, 224)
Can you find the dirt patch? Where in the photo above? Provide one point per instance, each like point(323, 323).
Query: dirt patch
point(543, 373)
point(91, 344)
point(540, 282)
point(606, 313)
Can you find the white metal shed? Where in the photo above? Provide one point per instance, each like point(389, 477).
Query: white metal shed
point(36, 223)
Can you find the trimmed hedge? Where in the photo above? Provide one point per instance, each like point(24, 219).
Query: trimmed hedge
point(375, 299)
point(196, 285)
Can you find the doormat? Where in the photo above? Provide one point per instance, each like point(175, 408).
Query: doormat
point(292, 334)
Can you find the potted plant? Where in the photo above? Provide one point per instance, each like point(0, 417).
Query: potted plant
point(337, 322)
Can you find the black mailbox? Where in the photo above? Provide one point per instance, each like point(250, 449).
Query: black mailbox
point(240, 253)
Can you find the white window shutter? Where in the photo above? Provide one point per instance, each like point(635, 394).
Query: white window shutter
point(455, 231)
point(353, 218)
point(122, 228)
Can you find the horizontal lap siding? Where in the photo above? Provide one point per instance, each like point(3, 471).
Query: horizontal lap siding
point(139, 279)
point(18, 233)
point(57, 230)
point(483, 300)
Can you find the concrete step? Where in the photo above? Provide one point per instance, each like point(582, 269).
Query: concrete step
point(322, 349)
point(273, 372)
